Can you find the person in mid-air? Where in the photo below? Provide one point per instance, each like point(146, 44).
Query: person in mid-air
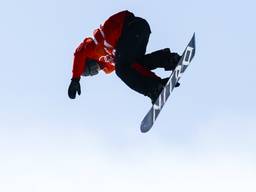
point(120, 45)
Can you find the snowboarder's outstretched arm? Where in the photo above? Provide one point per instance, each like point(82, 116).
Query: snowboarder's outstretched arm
point(87, 63)
point(96, 53)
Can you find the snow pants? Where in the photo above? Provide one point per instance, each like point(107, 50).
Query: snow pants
point(133, 67)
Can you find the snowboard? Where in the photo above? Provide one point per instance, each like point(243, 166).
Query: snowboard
point(187, 56)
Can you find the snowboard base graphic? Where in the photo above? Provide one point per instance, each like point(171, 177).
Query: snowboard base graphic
point(154, 111)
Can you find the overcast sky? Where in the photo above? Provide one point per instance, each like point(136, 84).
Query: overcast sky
point(203, 140)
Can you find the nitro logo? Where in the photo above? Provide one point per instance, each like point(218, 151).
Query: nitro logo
point(161, 100)
point(155, 110)
point(186, 59)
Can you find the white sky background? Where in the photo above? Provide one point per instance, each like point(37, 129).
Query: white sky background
point(204, 139)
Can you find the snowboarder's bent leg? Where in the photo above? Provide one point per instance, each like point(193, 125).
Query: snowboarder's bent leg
point(132, 46)
point(137, 82)
point(160, 59)
point(133, 41)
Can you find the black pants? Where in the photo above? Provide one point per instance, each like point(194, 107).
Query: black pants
point(130, 50)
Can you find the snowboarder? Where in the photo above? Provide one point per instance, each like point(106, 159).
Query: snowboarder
point(120, 44)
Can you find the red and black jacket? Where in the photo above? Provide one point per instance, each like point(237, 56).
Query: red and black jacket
point(101, 47)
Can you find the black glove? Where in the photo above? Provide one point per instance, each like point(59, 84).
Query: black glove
point(74, 87)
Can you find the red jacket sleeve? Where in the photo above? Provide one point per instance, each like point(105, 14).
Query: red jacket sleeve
point(78, 65)
point(80, 56)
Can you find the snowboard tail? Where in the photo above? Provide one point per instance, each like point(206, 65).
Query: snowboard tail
point(187, 56)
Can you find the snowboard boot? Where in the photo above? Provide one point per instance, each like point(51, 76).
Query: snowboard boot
point(165, 80)
point(155, 92)
point(172, 61)
point(153, 95)
point(160, 59)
